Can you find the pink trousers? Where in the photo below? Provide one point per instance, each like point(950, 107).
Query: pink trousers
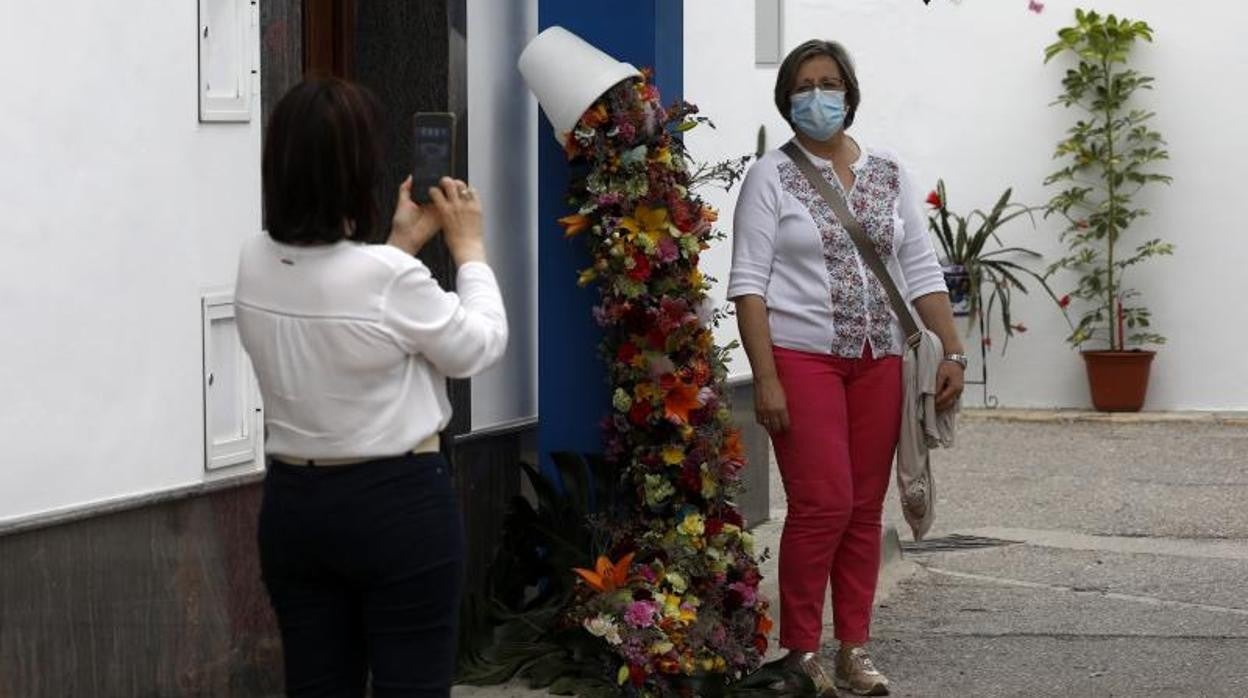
point(836, 461)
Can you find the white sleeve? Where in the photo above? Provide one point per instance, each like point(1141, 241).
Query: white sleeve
point(916, 254)
point(460, 333)
point(754, 224)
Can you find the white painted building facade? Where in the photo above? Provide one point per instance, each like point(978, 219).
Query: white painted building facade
point(960, 90)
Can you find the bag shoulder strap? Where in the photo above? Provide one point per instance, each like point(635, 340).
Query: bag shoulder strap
point(866, 249)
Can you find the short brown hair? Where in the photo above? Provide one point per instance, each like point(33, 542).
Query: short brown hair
point(787, 76)
point(322, 163)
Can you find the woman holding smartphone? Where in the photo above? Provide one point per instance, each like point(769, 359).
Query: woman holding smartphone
point(361, 545)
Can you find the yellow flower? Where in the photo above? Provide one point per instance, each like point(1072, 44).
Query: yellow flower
point(621, 676)
point(652, 222)
point(586, 277)
point(693, 525)
point(673, 455)
point(709, 486)
point(695, 278)
point(646, 392)
point(661, 647)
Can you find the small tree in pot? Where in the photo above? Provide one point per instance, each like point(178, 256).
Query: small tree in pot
point(1108, 158)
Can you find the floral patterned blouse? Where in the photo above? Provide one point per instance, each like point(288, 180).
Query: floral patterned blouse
point(789, 248)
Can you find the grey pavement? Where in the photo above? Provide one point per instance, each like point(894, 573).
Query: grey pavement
point(1108, 557)
point(1120, 566)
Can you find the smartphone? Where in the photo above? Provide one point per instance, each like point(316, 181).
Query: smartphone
point(433, 144)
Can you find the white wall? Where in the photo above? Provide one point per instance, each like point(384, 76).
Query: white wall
point(502, 164)
point(117, 209)
point(960, 90)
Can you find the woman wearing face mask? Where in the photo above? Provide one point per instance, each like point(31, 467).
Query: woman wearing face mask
point(825, 350)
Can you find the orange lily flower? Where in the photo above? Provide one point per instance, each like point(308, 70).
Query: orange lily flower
point(574, 223)
point(606, 575)
point(595, 116)
point(763, 625)
point(681, 399)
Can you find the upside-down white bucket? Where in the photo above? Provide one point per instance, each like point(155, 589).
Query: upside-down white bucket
point(567, 75)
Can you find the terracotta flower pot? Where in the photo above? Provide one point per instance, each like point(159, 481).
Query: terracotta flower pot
point(1118, 379)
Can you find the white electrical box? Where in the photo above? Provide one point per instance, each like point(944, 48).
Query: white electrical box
point(233, 420)
point(228, 46)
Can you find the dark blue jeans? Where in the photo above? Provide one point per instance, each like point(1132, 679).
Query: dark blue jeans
point(364, 567)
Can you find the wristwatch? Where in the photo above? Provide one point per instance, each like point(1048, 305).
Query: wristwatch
point(959, 359)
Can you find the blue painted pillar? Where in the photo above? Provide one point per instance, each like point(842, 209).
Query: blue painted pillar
point(573, 395)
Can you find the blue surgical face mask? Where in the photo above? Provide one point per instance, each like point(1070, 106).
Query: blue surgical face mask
point(818, 114)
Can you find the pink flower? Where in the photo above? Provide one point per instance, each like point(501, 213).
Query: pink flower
point(749, 595)
point(668, 251)
point(640, 614)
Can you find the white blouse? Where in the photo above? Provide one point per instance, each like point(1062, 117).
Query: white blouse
point(352, 343)
point(789, 248)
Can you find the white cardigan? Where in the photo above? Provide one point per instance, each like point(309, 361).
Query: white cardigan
point(352, 344)
point(789, 248)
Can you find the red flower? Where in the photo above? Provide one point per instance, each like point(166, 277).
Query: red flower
point(639, 413)
point(691, 480)
point(933, 199)
point(641, 267)
point(1063, 301)
point(627, 352)
point(1081, 224)
point(636, 674)
point(714, 527)
point(682, 216)
point(657, 338)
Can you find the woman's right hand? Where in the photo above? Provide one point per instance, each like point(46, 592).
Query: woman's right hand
point(459, 208)
point(770, 408)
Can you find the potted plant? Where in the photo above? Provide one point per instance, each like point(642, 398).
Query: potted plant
point(969, 262)
point(1108, 157)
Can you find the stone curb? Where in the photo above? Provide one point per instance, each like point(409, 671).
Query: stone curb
point(1236, 419)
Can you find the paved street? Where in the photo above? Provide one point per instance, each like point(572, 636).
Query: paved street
point(1068, 559)
point(1125, 574)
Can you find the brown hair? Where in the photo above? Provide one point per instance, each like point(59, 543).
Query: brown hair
point(322, 163)
point(787, 76)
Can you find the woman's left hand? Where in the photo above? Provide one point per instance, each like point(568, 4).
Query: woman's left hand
point(950, 379)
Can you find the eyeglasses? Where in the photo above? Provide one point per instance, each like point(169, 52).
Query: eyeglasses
point(826, 86)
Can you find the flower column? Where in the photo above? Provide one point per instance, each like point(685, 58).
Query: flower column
point(572, 384)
